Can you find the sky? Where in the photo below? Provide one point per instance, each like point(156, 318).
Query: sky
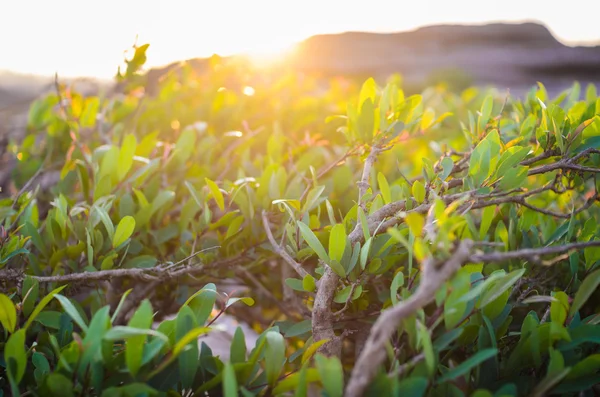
point(87, 38)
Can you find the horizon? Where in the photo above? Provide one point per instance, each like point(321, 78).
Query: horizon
point(180, 35)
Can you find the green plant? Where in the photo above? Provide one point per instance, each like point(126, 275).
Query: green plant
point(436, 244)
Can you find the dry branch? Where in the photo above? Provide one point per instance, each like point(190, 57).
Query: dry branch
point(374, 352)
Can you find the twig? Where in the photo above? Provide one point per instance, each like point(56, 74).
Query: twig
point(406, 366)
point(142, 274)
point(532, 253)
point(280, 251)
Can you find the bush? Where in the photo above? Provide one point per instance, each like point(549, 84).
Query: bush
point(429, 245)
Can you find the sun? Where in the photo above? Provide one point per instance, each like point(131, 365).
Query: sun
point(265, 54)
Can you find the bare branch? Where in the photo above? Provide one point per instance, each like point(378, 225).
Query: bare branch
point(532, 253)
point(374, 352)
point(157, 273)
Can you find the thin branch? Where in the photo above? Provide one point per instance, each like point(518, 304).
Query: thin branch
point(543, 156)
point(363, 184)
point(532, 253)
point(142, 274)
point(406, 366)
point(280, 251)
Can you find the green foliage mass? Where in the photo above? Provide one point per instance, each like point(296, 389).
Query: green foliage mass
point(290, 187)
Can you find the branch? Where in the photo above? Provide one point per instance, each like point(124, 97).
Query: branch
point(157, 273)
point(363, 184)
point(280, 251)
point(374, 352)
point(322, 317)
point(533, 253)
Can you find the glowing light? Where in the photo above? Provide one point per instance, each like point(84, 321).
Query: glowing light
point(237, 134)
point(175, 124)
point(248, 91)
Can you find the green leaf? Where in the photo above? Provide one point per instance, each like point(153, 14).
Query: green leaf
point(216, 193)
point(45, 300)
point(332, 375)
point(368, 91)
point(487, 216)
point(134, 346)
point(120, 305)
point(588, 366)
point(500, 286)
point(447, 167)
point(31, 292)
point(8, 313)
point(559, 308)
point(126, 154)
point(72, 311)
point(295, 284)
point(59, 385)
point(297, 382)
point(485, 112)
point(418, 191)
point(298, 329)
point(105, 218)
point(384, 187)
point(188, 357)
point(123, 332)
point(312, 241)
point(482, 285)
point(309, 283)
point(413, 386)
point(30, 230)
point(430, 359)
point(365, 252)
point(93, 340)
point(312, 349)
point(237, 351)
point(587, 288)
point(343, 295)
point(248, 301)
point(124, 231)
point(466, 366)
point(366, 121)
point(187, 338)
point(337, 242)
point(514, 178)
point(274, 356)
point(230, 385)
point(15, 358)
point(397, 282)
point(415, 222)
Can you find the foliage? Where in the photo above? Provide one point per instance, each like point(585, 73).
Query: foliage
point(465, 224)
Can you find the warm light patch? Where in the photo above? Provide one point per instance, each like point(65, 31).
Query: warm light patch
point(237, 134)
point(175, 124)
point(248, 91)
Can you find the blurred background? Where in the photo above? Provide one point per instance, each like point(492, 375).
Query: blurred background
point(510, 44)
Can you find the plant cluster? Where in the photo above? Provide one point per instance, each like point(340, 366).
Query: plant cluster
point(434, 244)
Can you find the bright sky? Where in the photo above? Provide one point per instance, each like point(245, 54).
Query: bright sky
point(82, 37)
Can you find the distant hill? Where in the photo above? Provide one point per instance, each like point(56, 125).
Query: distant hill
point(514, 56)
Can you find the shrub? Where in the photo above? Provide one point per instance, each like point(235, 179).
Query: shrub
point(435, 244)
